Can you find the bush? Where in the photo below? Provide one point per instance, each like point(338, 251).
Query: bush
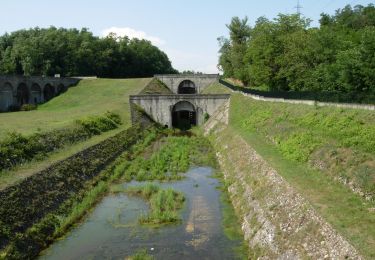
point(98, 124)
point(28, 107)
point(17, 149)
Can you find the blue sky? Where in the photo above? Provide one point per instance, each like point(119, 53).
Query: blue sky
point(185, 30)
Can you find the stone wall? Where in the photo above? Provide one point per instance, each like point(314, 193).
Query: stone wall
point(18, 90)
point(159, 107)
point(200, 81)
point(278, 223)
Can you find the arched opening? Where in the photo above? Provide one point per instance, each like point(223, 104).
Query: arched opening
point(23, 94)
point(183, 115)
point(6, 96)
point(61, 89)
point(36, 94)
point(187, 87)
point(49, 92)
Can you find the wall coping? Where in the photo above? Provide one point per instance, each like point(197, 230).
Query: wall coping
point(187, 75)
point(179, 96)
point(5, 77)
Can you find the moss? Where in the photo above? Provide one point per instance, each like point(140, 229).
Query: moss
point(156, 87)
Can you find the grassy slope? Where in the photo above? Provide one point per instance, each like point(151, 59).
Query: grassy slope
point(272, 128)
point(89, 97)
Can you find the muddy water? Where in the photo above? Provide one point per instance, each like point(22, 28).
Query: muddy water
point(112, 231)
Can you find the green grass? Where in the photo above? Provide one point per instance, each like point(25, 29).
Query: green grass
point(164, 204)
point(88, 98)
point(346, 211)
point(231, 223)
point(216, 88)
point(156, 87)
point(173, 156)
point(10, 177)
point(293, 137)
point(339, 142)
point(140, 255)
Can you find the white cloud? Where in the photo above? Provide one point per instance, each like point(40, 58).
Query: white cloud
point(132, 33)
point(181, 60)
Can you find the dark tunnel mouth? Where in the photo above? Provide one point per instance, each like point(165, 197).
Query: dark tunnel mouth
point(187, 87)
point(184, 116)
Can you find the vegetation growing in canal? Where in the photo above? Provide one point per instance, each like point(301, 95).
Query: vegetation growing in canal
point(164, 203)
point(140, 255)
point(174, 156)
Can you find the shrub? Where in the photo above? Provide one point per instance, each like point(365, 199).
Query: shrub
point(28, 107)
point(16, 148)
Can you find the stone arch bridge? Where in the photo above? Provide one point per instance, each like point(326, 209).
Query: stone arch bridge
point(18, 90)
point(187, 83)
point(186, 107)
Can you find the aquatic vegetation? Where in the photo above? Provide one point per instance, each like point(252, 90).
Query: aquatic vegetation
point(175, 156)
point(140, 255)
point(164, 203)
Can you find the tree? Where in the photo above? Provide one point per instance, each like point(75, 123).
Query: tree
point(72, 52)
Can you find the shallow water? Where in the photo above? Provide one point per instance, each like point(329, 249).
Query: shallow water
point(112, 232)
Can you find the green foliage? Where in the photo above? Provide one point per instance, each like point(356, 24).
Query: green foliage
point(308, 134)
point(298, 146)
point(164, 203)
point(28, 107)
point(98, 124)
point(140, 255)
point(16, 148)
point(174, 157)
point(89, 97)
point(320, 180)
point(72, 52)
point(285, 54)
point(156, 87)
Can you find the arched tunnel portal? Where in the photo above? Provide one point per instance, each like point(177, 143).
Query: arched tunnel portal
point(187, 87)
point(184, 115)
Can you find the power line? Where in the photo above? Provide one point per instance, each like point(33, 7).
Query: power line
point(298, 7)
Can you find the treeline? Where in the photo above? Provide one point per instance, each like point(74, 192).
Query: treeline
point(286, 54)
point(72, 52)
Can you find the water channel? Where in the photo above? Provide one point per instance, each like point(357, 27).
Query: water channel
point(112, 230)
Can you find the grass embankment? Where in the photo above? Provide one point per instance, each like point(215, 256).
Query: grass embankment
point(90, 97)
point(17, 149)
point(63, 126)
point(164, 203)
point(321, 152)
point(156, 87)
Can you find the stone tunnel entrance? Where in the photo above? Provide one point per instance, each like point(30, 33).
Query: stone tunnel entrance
point(184, 115)
point(187, 87)
point(23, 94)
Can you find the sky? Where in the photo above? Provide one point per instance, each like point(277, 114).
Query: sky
point(186, 31)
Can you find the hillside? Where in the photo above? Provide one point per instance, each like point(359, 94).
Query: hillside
point(89, 97)
point(326, 154)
